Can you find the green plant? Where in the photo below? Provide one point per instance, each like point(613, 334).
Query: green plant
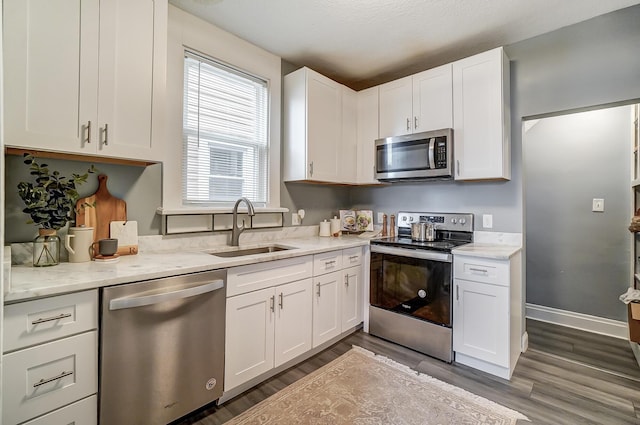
point(51, 199)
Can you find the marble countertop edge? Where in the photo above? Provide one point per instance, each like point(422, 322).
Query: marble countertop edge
point(488, 250)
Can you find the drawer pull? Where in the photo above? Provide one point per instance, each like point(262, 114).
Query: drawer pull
point(483, 271)
point(51, 319)
point(353, 257)
point(55, 378)
point(329, 263)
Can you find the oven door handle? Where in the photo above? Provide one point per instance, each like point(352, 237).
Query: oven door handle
point(422, 254)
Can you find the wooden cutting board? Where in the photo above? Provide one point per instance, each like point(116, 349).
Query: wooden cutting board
point(106, 208)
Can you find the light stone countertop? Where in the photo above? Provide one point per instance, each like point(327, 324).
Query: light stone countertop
point(487, 250)
point(27, 282)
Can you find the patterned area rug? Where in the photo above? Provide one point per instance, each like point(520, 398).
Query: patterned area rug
point(362, 388)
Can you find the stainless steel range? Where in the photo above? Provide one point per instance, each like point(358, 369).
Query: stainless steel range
point(410, 292)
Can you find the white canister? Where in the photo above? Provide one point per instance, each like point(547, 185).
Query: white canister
point(336, 226)
point(78, 242)
point(325, 228)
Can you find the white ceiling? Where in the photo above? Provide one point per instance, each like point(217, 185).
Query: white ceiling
point(361, 43)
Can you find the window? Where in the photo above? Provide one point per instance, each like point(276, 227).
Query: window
point(225, 130)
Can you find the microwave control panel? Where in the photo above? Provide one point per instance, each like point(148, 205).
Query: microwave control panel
point(441, 152)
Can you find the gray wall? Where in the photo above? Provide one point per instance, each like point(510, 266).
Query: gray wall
point(139, 187)
point(576, 256)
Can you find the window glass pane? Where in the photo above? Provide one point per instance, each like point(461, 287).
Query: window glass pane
point(225, 132)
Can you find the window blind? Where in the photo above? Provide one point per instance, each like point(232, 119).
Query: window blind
point(225, 131)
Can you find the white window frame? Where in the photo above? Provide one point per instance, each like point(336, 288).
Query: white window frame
point(197, 176)
point(188, 32)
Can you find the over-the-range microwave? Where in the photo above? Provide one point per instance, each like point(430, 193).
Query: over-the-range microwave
point(418, 156)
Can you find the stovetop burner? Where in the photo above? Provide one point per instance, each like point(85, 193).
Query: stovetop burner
point(438, 245)
point(452, 230)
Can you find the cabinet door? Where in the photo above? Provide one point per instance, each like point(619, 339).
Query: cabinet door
point(367, 135)
point(348, 147)
point(324, 127)
point(293, 320)
point(396, 108)
point(432, 99)
point(249, 336)
point(481, 321)
point(480, 116)
point(352, 297)
point(50, 74)
point(327, 310)
point(132, 34)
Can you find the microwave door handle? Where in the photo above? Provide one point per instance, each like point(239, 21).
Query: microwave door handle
point(432, 147)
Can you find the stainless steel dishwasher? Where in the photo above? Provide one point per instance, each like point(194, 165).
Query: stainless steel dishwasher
point(161, 348)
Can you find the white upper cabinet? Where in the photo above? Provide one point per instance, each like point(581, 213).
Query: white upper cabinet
point(367, 134)
point(481, 119)
point(85, 77)
point(417, 103)
point(348, 151)
point(313, 127)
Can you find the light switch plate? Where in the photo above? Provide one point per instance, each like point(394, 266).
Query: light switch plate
point(487, 221)
point(598, 205)
point(379, 220)
point(295, 219)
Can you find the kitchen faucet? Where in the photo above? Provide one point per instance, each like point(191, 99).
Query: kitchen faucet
point(235, 229)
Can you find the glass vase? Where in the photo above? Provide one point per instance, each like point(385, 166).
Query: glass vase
point(46, 248)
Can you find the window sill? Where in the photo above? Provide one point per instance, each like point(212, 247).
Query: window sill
point(217, 210)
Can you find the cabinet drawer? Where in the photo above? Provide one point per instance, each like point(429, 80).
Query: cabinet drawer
point(40, 379)
point(253, 277)
point(351, 257)
point(83, 412)
point(327, 262)
point(481, 270)
point(38, 321)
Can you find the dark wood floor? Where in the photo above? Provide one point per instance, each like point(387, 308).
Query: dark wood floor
point(566, 377)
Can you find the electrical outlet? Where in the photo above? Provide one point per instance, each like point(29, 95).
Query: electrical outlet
point(380, 217)
point(487, 221)
point(295, 219)
point(598, 205)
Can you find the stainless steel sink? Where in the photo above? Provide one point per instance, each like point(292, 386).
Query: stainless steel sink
point(251, 251)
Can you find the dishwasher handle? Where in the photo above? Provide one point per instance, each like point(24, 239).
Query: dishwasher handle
point(131, 302)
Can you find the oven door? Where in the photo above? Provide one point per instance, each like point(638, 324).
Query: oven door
point(412, 282)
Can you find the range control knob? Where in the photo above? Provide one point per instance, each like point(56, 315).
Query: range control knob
point(454, 221)
point(404, 218)
point(410, 218)
point(462, 221)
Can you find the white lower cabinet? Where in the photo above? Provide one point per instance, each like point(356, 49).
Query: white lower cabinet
point(82, 412)
point(487, 313)
point(327, 321)
point(337, 298)
point(52, 360)
point(266, 327)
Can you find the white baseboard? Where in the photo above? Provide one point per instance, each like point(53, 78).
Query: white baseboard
point(585, 322)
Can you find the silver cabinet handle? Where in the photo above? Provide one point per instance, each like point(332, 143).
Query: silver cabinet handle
point(483, 271)
point(346, 279)
point(51, 319)
point(55, 378)
point(88, 131)
point(281, 301)
point(106, 134)
point(311, 169)
point(330, 263)
point(458, 166)
point(415, 122)
point(131, 302)
point(318, 285)
point(457, 292)
point(408, 124)
point(353, 257)
point(273, 303)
